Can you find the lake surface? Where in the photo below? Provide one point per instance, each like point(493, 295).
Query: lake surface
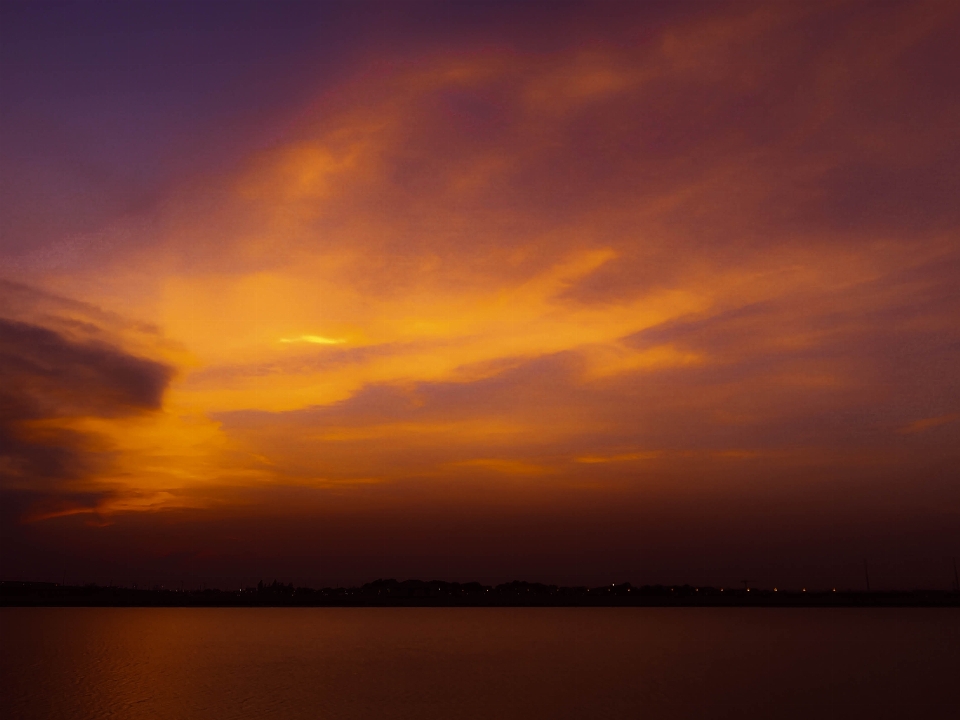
point(430, 663)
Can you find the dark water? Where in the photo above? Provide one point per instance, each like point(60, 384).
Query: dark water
point(479, 663)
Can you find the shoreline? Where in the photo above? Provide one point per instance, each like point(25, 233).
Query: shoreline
point(416, 593)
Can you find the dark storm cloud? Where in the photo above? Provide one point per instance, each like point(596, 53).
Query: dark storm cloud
point(47, 377)
point(57, 377)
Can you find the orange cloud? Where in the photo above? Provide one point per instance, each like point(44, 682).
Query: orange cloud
point(513, 264)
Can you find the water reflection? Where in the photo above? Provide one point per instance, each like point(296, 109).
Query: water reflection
point(163, 663)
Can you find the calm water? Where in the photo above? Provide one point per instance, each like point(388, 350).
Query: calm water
point(479, 663)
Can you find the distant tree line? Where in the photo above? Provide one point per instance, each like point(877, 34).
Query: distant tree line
point(420, 593)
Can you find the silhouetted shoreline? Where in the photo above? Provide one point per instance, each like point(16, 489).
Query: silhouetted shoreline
point(419, 593)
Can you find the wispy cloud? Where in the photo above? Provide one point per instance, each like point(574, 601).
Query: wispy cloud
point(918, 426)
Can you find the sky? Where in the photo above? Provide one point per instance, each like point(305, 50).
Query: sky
point(566, 292)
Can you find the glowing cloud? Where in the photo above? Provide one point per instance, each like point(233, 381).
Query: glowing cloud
point(315, 339)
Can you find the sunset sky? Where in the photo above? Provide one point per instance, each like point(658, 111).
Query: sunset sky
point(658, 292)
